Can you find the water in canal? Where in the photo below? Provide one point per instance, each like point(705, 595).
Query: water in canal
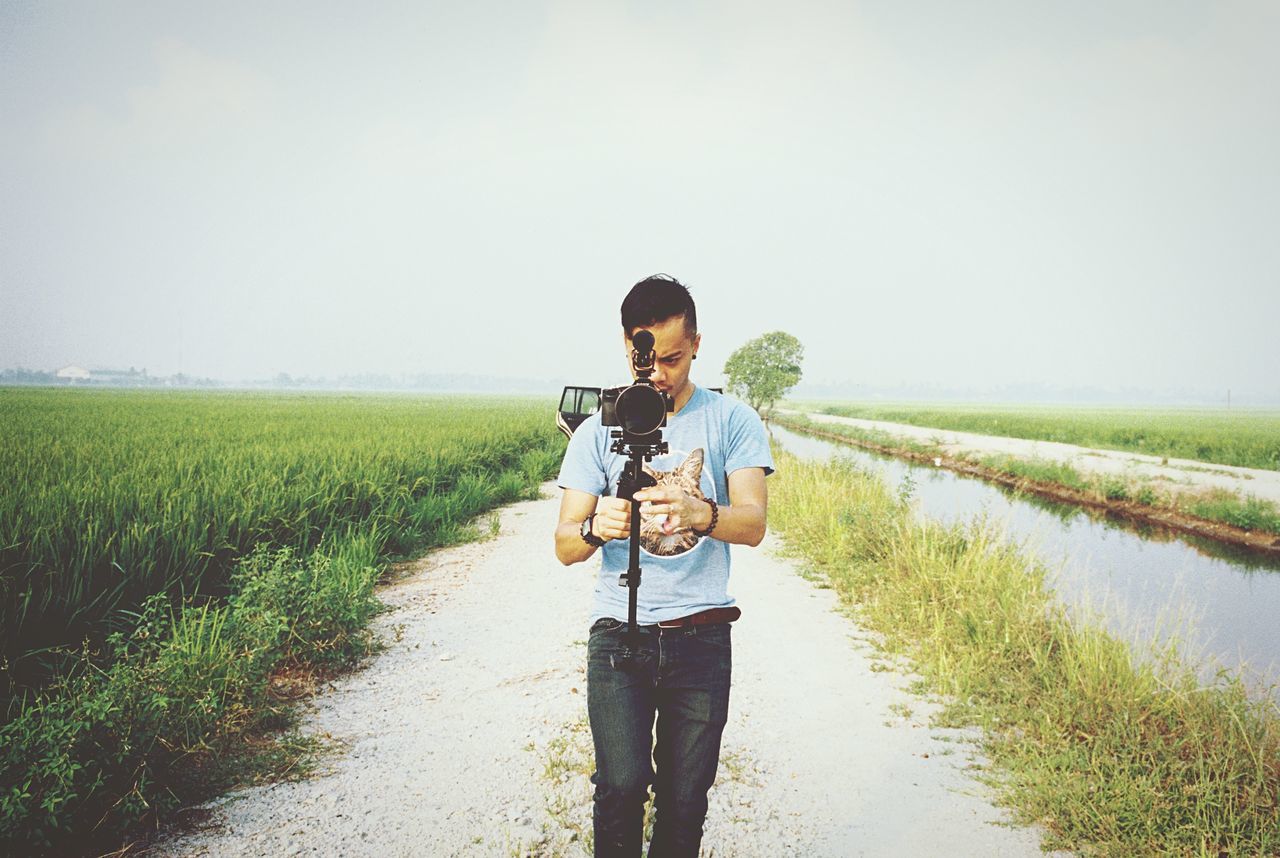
point(1141, 583)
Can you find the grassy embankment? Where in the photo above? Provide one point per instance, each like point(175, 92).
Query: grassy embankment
point(1247, 438)
point(1246, 512)
point(163, 556)
point(1110, 753)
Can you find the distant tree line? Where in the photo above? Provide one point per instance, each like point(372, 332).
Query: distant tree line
point(21, 376)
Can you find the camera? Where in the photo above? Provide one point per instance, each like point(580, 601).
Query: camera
point(640, 409)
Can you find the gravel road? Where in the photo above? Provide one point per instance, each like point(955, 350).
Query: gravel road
point(444, 740)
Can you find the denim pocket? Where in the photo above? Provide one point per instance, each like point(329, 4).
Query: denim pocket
point(717, 635)
point(605, 624)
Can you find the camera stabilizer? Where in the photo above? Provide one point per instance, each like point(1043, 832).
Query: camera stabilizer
point(641, 410)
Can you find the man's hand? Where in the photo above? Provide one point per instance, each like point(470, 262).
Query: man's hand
point(682, 510)
point(613, 518)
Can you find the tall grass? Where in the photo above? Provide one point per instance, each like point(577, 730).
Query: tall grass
point(1111, 753)
point(112, 496)
point(182, 548)
point(111, 748)
point(1246, 437)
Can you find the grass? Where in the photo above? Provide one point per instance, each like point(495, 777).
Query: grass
point(1112, 753)
point(167, 685)
point(1059, 473)
point(568, 763)
point(1244, 437)
point(1247, 512)
point(182, 706)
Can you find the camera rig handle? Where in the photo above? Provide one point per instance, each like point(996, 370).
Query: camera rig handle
point(632, 480)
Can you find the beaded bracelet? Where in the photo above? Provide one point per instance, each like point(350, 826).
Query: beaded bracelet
point(715, 517)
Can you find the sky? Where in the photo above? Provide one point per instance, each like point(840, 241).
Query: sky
point(948, 195)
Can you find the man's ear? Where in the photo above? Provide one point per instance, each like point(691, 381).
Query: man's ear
point(697, 341)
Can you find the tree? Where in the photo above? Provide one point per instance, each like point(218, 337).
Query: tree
point(764, 369)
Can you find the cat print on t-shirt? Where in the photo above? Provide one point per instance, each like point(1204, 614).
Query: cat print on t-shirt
point(687, 476)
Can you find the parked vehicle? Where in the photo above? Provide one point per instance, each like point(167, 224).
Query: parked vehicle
point(576, 405)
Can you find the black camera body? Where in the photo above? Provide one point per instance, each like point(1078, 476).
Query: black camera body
point(639, 409)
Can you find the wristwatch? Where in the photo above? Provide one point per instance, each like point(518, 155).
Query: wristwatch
point(587, 536)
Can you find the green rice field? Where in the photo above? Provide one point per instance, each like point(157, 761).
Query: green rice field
point(111, 496)
point(164, 554)
point(1247, 438)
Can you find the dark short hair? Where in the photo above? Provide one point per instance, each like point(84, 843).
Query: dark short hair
point(656, 299)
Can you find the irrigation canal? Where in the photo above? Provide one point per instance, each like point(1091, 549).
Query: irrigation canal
point(1142, 584)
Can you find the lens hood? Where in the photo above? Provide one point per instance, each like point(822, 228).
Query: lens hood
point(641, 409)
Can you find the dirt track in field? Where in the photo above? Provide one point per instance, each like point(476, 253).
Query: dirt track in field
point(441, 741)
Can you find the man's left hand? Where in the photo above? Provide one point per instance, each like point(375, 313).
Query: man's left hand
point(681, 509)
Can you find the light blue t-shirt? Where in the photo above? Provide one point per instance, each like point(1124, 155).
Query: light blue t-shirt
point(710, 438)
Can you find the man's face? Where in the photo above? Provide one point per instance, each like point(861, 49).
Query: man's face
point(674, 349)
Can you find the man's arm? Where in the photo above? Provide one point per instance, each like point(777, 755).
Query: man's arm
point(741, 522)
point(575, 506)
point(612, 521)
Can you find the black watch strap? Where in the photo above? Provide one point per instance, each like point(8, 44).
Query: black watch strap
point(589, 537)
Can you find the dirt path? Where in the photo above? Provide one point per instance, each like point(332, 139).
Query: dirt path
point(445, 736)
point(1197, 476)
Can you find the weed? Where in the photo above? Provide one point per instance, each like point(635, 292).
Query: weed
point(906, 489)
point(902, 710)
point(1248, 512)
point(1114, 488)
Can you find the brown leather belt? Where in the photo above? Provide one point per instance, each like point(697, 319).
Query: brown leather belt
point(711, 615)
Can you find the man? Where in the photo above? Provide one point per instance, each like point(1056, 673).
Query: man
point(710, 492)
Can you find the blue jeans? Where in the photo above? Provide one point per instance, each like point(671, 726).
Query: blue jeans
point(683, 677)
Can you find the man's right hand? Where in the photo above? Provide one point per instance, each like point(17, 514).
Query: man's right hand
point(613, 518)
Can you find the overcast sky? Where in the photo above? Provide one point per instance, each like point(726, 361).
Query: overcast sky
point(966, 195)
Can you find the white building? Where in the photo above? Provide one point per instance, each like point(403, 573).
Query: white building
point(73, 373)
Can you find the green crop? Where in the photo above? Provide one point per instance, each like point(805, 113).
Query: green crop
point(112, 496)
point(162, 555)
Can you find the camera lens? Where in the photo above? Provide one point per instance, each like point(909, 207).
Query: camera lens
point(641, 409)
